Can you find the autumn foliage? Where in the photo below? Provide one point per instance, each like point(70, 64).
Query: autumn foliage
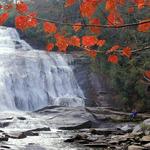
point(26, 19)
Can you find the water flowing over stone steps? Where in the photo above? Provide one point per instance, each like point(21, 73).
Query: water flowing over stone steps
point(31, 79)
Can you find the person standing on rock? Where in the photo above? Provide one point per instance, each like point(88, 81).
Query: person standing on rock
point(133, 114)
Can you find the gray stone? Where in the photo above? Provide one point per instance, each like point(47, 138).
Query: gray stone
point(135, 147)
point(147, 145)
point(146, 139)
point(126, 128)
point(143, 127)
point(16, 135)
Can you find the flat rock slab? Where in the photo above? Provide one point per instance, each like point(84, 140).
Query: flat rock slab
point(146, 139)
point(67, 118)
point(135, 147)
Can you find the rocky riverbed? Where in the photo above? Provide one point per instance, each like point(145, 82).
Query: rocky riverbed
point(63, 128)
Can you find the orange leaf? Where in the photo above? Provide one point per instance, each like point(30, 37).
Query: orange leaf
point(61, 42)
point(113, 59)
point(130, 10)
point(127, 52)
point(21, 22)
point(50, 46)
point(25, 22)
point(144, 27)
point(77, 27)
point(113, 49)
point(110, 5)
point(22, 7)
point(114, 18)
point(88, 7)
point(3, 18)
point(140, 3)
point(49, 27)
point(101, 42)
point(95, 21)
point(8, 7)
point(147, 74)
point(69, 3)
point(89, 40)
point(121, 2)
point(74, 41)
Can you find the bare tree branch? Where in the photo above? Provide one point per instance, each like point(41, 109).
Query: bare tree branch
point(92, 25)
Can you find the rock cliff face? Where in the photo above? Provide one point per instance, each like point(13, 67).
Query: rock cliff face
point(92, 83)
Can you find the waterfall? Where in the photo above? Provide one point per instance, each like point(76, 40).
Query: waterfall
point(31, 79)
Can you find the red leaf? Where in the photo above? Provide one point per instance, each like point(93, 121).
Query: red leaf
point(74, 41)
point(88, 7)
point(95, 21)
point(49, 27)
point(147, 74)
point(22, 7)
point(3, 18)
point(89, 40)
point(8, 7)
point(21, 22)
point(140, 3)
point(127, 52)
point(131, 10)
point(144, 27)
point(101, 43)
point(77, 26)
point(115, 18)
point(110, 5)
point(113, 59)
point(61, 42)
point(69, 3)
point(113, 49)
point(50, 46)
point(25, 22)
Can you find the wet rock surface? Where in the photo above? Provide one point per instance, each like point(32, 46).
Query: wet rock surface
point(62, 128)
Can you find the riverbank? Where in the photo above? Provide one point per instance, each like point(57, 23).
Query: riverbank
point(63, 128)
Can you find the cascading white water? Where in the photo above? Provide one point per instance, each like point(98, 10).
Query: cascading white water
point(31, 79)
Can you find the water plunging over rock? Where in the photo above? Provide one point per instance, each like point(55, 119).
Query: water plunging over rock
point(31, 79)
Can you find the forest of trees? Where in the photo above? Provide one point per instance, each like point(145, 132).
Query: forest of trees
point(115, 33)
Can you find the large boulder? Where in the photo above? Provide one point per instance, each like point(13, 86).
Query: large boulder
point(67, 118)
point(143, 127)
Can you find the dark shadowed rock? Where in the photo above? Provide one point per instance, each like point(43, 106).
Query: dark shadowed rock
point(21, 118)
point(104, 131)
point(16, 135)
point(86, 124)
point(4, 124)
point(100, 145)
point(30, 133)
point(41, 129)
point(5, 147)
point(3, 138)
